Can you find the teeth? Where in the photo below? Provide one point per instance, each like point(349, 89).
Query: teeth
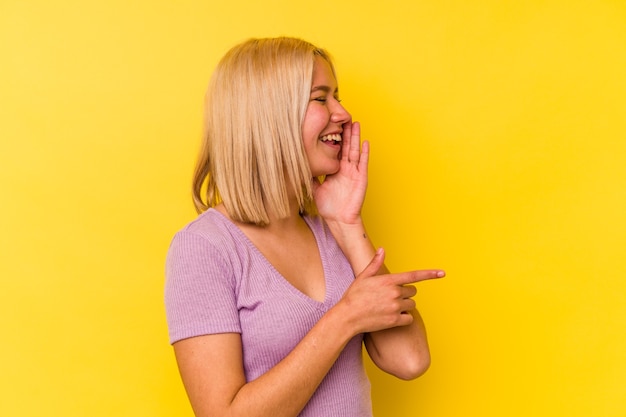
point(334, 137)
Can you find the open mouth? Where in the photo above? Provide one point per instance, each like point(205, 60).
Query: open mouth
point(332, 139)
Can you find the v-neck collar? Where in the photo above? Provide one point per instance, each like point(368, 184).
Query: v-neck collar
point(275, 273)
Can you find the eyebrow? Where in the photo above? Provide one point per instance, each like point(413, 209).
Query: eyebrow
point(323, 88)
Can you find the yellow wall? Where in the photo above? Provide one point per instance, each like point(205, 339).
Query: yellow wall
point(498, 131)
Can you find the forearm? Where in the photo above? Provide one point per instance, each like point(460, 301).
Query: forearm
point(401, 351)
point(355, 244)
point(285, 389)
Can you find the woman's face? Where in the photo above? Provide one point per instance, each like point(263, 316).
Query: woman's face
point(323, 121)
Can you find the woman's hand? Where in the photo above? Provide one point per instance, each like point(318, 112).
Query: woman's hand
point(340, 197)
point(378, 302)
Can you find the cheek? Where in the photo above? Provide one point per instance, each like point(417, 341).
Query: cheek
point(315, 119)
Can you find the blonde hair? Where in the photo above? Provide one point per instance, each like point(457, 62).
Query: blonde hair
point(252, 147)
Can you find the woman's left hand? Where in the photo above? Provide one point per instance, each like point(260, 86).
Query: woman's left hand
point(340, 197)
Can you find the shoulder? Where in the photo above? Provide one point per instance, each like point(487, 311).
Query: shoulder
point(208, 242)
point(210, 225)
point(209, 229)
point(201, 279)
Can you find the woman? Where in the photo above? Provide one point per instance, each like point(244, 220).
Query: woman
point(265, 313)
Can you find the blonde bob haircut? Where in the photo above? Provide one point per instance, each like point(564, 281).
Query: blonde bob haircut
point(252, 150)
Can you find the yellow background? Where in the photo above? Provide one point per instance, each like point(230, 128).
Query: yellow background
point(498, 133)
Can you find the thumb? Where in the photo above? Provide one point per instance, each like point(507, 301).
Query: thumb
point(375, 264)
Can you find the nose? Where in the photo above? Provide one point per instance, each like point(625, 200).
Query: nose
point(339, 114)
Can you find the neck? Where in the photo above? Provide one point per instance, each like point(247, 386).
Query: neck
point(276, 224)
point(293, 218)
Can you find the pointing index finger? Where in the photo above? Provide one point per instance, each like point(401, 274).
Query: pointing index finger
point(417, 276)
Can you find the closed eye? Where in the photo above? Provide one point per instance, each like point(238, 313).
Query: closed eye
point(324, 99)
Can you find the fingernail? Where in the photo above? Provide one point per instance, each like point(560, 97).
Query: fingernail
point(441, 274)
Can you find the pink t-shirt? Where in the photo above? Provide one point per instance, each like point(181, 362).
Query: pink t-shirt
point(218, 282)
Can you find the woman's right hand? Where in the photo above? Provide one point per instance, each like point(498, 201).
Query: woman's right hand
point(339, 198)
point(377, 302)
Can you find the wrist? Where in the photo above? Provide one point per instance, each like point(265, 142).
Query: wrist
point(346, 229)
point(354, 242)
point(340, 318)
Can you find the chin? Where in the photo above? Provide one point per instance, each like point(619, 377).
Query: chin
point(325, 171)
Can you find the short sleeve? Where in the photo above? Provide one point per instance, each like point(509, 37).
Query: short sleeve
point(200, 289)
